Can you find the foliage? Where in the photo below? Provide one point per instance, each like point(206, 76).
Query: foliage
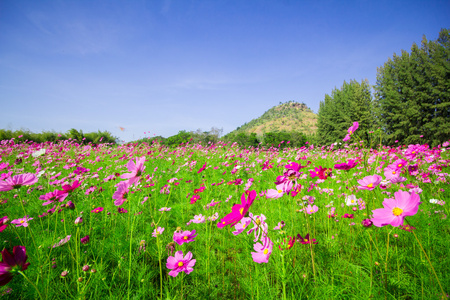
point(413, 93)
point(352, 102)
point(52, 136)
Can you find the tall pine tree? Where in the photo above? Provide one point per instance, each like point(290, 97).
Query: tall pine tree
point(413, 93)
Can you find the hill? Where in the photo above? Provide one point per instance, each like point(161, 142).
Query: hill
point(289, 116)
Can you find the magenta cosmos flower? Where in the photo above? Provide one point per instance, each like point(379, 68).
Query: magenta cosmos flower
point(16, 181)
point(97, 210)
point(12, 263)
point(184, 237)
point(136, 170)
point(346, 166)
point(395, 210)
point(351, 130)
point(238, 211)
point(3, 223)
point(179, 263)
point(369, 182)
point(70, 188)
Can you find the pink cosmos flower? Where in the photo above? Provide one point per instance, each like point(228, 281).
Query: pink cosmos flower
point(11, 263)
point(84, 240)
point(184, 237)
point(157, 231)
point(395, 210)
point(311, 209)
point(136, 170)
point(97, 210)
point(56, 195)
point(306, 239)
point(263, 251)
point(238, 211)
point(346, 166)
point(241, 226)
point(179, 263)
point(194, 199)
point(16, 181)
point(3, 224)
point(275, 194)
point(202, 168)
point(198, 219)
point(369, 182)
point(165, 209)
point(70, 188)
point(121, 194)
point(279, 226)
point(62, 241)
point(22, 222)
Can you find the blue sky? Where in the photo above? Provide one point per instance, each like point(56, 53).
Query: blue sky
point(164, 66)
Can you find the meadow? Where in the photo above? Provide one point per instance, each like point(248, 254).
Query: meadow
point(214, 221)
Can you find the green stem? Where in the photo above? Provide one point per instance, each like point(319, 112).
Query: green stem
point(40, 296)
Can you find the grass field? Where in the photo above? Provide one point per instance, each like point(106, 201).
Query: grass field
point(108, 221)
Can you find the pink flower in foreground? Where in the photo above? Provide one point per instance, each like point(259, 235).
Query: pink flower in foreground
point(121, 193)
point(369, 182)
point(179, 263)
point(238, 211)
point(3, 224)
point(16, 181)
point(262, 253)
point(136, 170)
point(311, 209)
point(157, 231)
point(395, 210)
point(241, 226)
point(184, 237)
point(12, 263)
point(70, 188)
point(277, 193)
point(21, 222)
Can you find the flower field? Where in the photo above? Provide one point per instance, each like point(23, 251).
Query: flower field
point(144, 221)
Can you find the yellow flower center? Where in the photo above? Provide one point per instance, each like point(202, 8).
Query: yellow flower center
point(352, 201)
point(397, 211)
point(180, 264)
point(223, 223)
point(241, 210)
point(351, 132)
point(185, 237)
point(244, 225)
point(393, 172)
point(266, 251)
point(157, 232)
point(400, 165)
point(306, 240)
point(22, 221)
point(258, 221)
point(280, 191)
point(370, 185)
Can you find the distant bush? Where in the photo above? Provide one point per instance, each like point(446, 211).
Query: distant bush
point(52, 136)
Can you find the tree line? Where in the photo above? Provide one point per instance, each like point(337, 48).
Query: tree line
point(410, 103)
point(52, 136)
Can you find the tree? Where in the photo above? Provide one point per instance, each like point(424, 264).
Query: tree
point(352, 102)
point(413, 93)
